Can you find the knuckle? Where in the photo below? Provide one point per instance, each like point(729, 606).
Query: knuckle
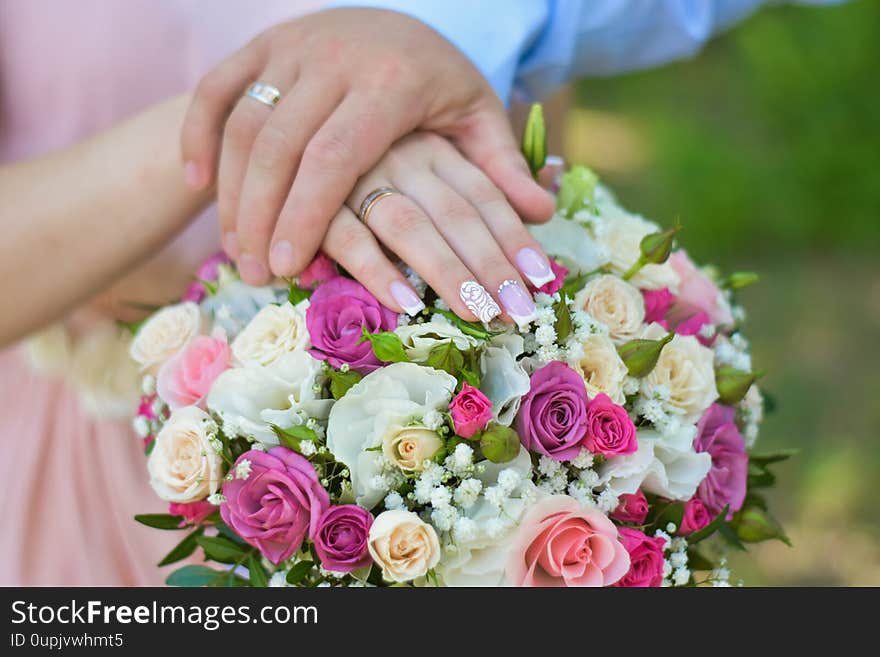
point(404, 219)
point(239, 130)
point(485, 194)
point(456, 209)
point(272, 147)
point(497, 265)
point(328, 152)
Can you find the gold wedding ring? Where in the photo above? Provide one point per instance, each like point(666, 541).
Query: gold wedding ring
point(371, 199)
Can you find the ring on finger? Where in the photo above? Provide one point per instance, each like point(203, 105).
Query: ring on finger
point(371, 199)
point(264, 92)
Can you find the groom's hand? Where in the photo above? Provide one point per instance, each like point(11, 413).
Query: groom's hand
point(352, 82)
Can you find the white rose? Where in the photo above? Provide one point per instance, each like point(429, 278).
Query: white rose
point(250, 399)
point(165, 334)
point(382, 403)
point(409, 447)
point(403, 545)
point(664, 465)
point(272, 333)
point(183, 466)
point(686, 370)
point(568, 242)
point(615, 303)
point(103, 373)
point(419, 339)
point(602, 368)
point(502, 378)
point(620, 234)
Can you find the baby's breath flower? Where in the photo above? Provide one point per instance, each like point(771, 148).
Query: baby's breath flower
point(243, 469)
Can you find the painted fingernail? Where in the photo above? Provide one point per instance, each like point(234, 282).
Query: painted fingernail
point(407, 299)
point(193, 175)
point(281, 258)
point(252, 271)
point(517, 303)
point(230, 244)
point(534, 266)
point(478, 301)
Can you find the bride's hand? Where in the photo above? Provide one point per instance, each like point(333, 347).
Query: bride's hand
point(352, 81)
point(450, 224)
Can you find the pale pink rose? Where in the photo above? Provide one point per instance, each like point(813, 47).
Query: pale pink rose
point(696, 292)
point(561, 543)
point(185, 379)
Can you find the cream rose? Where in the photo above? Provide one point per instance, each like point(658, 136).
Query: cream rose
point(615, 303)
point(403, 545)
point(165, 334)
point(272, 333)
point(685, 370)
point(602, 368)
point(410, 447)
point(183, 466)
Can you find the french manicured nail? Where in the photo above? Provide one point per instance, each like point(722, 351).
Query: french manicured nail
point(407, 299)
point(534, 266)
point(478, 301)
point(517, 302)
point(230, 244)
point(281, 258)
point(252, 271)
point(193, 175)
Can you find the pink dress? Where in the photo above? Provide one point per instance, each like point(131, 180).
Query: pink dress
point(70, 481)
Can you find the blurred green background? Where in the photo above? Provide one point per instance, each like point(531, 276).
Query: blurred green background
point(767, 147)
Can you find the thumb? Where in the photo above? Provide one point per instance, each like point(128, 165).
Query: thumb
point(487, 140)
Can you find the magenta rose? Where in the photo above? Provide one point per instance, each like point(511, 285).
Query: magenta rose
point(631, 508)
point(552, 287)
point(696, 292)
point(552, 419)
point(338, 310)
point(645, 557)
point(341, 540)
point(696, 516)
point(278, 505)
point(610, 431)
point(471, 411)
point(193, 513)
point(726, 482)
point(657, 304)
point(693, 325)
point(208, 271)
point(319, 270)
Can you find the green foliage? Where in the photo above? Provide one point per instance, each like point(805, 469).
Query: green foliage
point(498, 443)
point(386, 345)
point(534, 141)
point(160, 520)
point(293, 436)
point(183, 549)
point(641, 356)
point(341, 382)
point(577, 191)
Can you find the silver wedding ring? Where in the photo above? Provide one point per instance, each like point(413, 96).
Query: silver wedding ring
point(371, 199)
point(264, 93)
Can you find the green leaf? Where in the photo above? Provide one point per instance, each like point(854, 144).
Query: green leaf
point(740, 279)
point(225, 530)
point(729, 534)
point(717, 522)
point(563, 325)
point(759, 476)
point(472, 329)
point(534, 140)
point(192, 576)
point(575, 284)
point(342, 382)
point(773, 457)
point(447, 357)
point(220, 549)
point(183, 549)
point(697, 561)
point(499, 444)
point(386, 345)
point(577, 191)
point(160, 520)
point(256, 572)
point(470, 377)
point(673, 513)
point(293, 436)
point(296, 294)
point(299, 572)
point(754, 525)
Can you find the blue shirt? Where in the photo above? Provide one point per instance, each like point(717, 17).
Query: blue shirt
point(526, 48)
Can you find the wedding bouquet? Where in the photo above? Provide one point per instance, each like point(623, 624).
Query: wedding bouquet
point(303, 434)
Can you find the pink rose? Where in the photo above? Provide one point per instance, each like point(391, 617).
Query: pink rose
point(560, 543)
point(726, 482)
point(646, 559)
point(278, 505)
point(341, 541)
point(632, 508)
point(338, 311)
point(187, 377)
point(657, 304)
point(696, 516)
point(319, 270)
point(193, 513)
point(553, 415)
point(693, 325)
point(696, 292)
point(552, 287)
point(208, 271)
point(610, 431)
point(471, 411)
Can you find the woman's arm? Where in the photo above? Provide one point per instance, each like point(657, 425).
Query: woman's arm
point(77, 219)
